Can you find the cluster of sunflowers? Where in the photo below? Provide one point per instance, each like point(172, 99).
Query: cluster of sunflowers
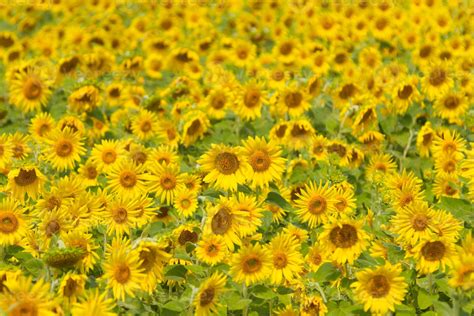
point(302, 157)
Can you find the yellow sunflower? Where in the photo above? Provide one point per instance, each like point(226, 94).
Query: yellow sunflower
point(211, 249)
point(72, 286)
point(226, 166)
point(41, 125)
point(13, 224)
point(84, 99)
point(196, 124)
point(145, 125)
point(437, 80)
point(107, 154)
point(186, 202)
point(251, 212)
point(287, 259)
point(122, 271)
point(165, 180)
point(65, 148)
point(381, 288)
point(153, 258)
point(25, 180)
point(433, 254)
point(79, 238)
point(120, 215)
point(249, 100)
point(20, 146)
point(344, 240)
point(94, 303)
point(127, 179)
point(252, 264)
point(206, 300)
point(315, 203)
point(452, 106)
point(265, 159)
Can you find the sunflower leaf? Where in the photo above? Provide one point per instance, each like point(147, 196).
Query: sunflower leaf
point(278, 200)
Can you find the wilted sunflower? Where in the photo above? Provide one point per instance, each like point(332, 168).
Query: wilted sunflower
point(252, 264)
point(64, 149)
point(226, 166)
point(206, 300)
point(315, 203)
point(381, 288)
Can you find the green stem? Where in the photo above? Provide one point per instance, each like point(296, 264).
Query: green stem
point(245, 295)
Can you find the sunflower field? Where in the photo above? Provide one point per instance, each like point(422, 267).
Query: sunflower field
point(236, 157)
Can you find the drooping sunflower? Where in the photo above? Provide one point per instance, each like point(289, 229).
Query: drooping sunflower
point(287, 259)
point(165, 180)
point(25, 180)
point(315, 203)
point(122, 270)
point(432, 254)
point(265, 159)
point(80, 238)
point(84, 99)
point(107, 153)
point(226, 166)
point(344, 240)
point(211, 249)
point(424, 140)
point(127, 179)
point(381, 288)
point(29, 89)
point(72, 286)
point(196, 124)
point(22, 296)
point(206, 301)
point(64, 149)
point(153, 258)
point(94, 303)
point(252, 264)
point(13, 224)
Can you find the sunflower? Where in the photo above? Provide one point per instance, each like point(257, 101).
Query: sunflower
point(165, 154)
point(41, 125)
point(433, 254)
point(185, 202)
point(196, 124)
point(315, 203)
point(84, 99)
point(72, 286)
point(225, 220)
point(29, 89)
point(25, 297)
point(153, 259)
point(446, 225)
point(449, 142)
point(300, 134)
point(252, 264)
point(25, 180)
point(122, 270)
point(380, 165)
point(381, 288)
point(315, 257)
point(344, 240)
point(89, 173)
point(279, 132)
point(114, 94)
point(6, 151)
point(424, 140)
point(413, 223)
point(79, 238)
point(165, 180)
point(249, 100)
point(54, 223)
point(451, 106)
point(437, 80)
point(265, 159)
point(276, 211)
point(345, 202)
point(313, 305)
point(206, 299)
point(65, 148)
point(226, 166)
point(217, 101)
point(127, 179)
point(446, 185)
point(94, 303)
point(120, 215)
point(287, 259)
point(251, 212)
point(13, 224)
point(211, 249)
point(292, 100)
point(107, 154)
point(145, 125)
point(20, 146)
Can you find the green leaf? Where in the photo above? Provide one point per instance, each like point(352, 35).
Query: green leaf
point(425, 299)
point(276, 198)
point(175, 272)
point(442, 308)
point(326, 272)
point(155, 228)
point(461, 209)
point(263, 292)
point(175, 306)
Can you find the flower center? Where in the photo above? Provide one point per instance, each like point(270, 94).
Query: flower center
point(91, 172)
point(25, 177)
point(251, 264)
point(122, 273)
point(8, 223)
point(347, 91)
point(139, 157)
point(405, 92)
point(293, 99)
point(221, 221)
point(260, 161)
point(148, 257)
point(187, 236)
point(194, 127)
point(218, 101)
point(145, 127)
point(52, 228)
point(433, 251)
point(120, 215)
point(64, 148)
point(378, 286)
point(343, 237)
point(280, 260)
point(451, 102)
point(437, 77)
point(32, 89)
point(109, 156)
point(168, 182)
point(419, 222)
point(252, 98)
point(317, 205)
point(24, 308)
point(128, 179)
point(207, 296)
point(70, 288)
point(227, 163)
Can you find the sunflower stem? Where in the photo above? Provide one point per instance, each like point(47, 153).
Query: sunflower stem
point(245, 295)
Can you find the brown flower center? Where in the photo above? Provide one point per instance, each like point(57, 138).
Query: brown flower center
point(120, 215)
point(64, 148)
point(8, 222)
point(145, 127)
point(317, 205)
point(419, 222)
point(32, 89)
point(281, 131)
point(187, 236)
point(252, 97)
point(24, 308)
point(378, 286)
point(260, 161)
point(207, 296)
point(451, 102)
point(168, 182)
point(128, 179)
point(218, 101)
point(293, 99)
point(433, 251)
point(122, 273)
point(437, 77)
point(91, 172)
point(347, 91)
point(25, 177)
point(139, 157)
point(194, 127)
point(221, 221)
point(344, 237)
point(280, 260)
point(70, 288)
point(227, 163)
point(109, 156)
point(251, 264)
point(148, 258)
point(405, 92)
point(52, 228)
